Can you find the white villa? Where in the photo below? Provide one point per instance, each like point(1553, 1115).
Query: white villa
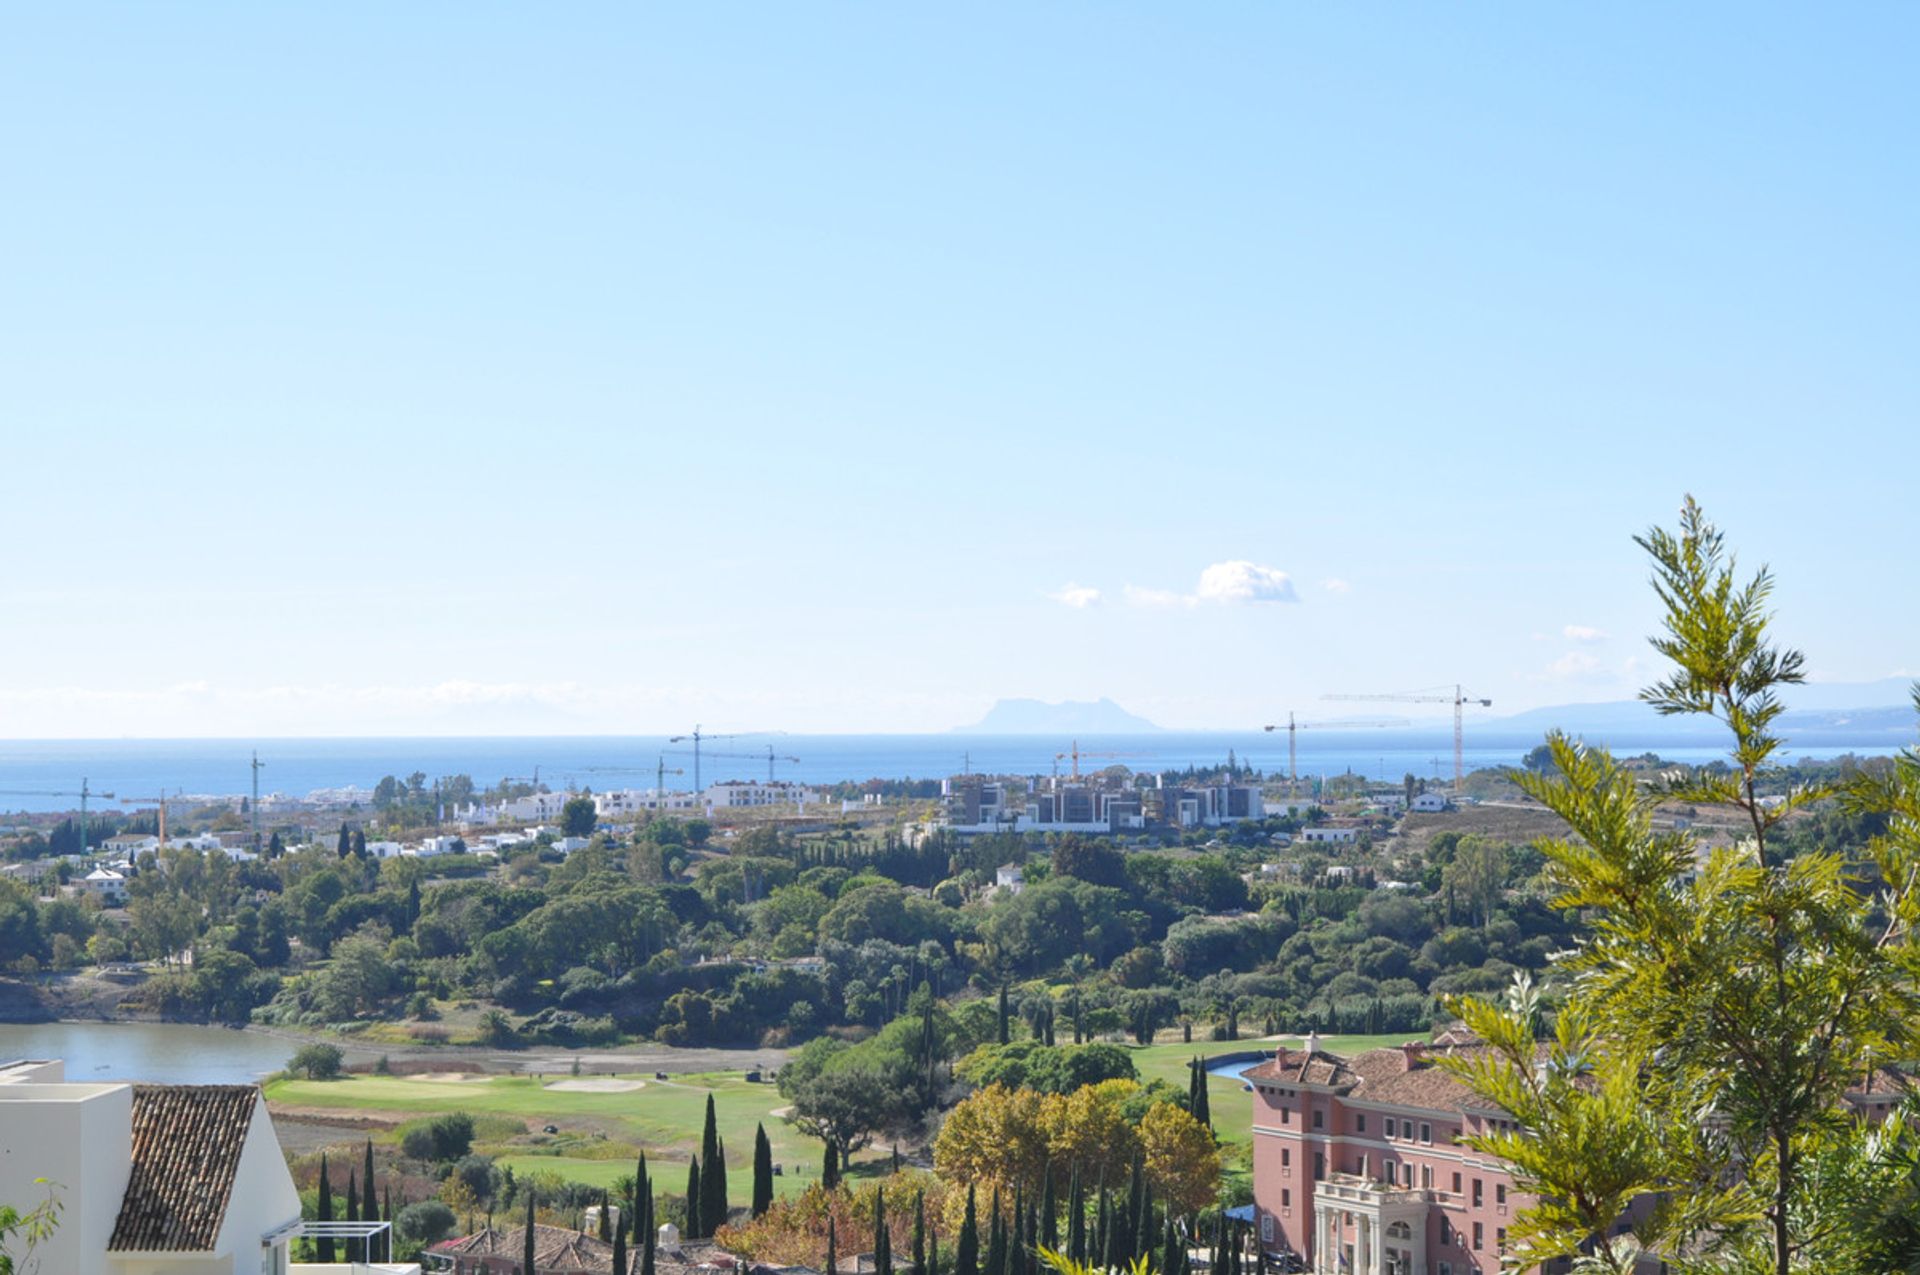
point(156, 1179)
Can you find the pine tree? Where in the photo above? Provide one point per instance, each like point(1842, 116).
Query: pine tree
point(830, 1169)
point(920, 1233)
point(527, 1255)
point(833, 1258)
point(694, 1199)
point(967, 1254)
point(620, 1250)
point(369, 1204)
point(1049, 1211)
point(762, 1171)
point(882, 1241)
point(606, 1219)
point(323, 1212)
point(713, 1175)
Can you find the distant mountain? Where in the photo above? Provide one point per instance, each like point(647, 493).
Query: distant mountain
point(1866, 711)
point(1036, 717)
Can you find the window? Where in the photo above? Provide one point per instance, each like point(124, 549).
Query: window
point(1500, 1239)
point(1446, 1230)
point(1319, 1166)
point(1406, 1175)
point(1286, 1202)
point(1456, 1184)
point(1391, 1125)
point(1500, 1194)
point(1446, 1268)
point(1426, 1132)
point(1478, 1197)
point(1360, 1123)
point(1319, 1119)
point(1426, 1175)
point(1479, 1236)
point(1286, 1115)
point(1266, 1228)
point(1286, 1157)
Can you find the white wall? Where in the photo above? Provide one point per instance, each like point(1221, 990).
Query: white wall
point(80, 1137)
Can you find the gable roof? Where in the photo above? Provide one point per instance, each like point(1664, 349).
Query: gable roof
point(187, 1141)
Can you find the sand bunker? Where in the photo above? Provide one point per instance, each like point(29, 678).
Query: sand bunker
point(603, 1085)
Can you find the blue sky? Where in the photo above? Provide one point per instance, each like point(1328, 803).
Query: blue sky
point(418, 369)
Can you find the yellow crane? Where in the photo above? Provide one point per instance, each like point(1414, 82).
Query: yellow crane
point(1458, 698)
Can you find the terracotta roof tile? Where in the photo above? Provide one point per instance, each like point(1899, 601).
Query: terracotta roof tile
point(187, 1141)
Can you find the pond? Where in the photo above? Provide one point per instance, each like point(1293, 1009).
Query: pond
point(166, 1053)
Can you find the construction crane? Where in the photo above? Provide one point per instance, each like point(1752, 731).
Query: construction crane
point(696, 737)
point(160, 802)
point(1459, 699)
point(85, 795)
point(253, 811)
point(699, 735)
point(1293, 770)
point(1076, 753)
point(769, 757)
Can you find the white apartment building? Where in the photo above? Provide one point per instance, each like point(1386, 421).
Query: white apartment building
point(105, 885)
point(154, 1179)
point(631, 802)
point(1431, 803)
point(539, 807)
point(740, 794)
point(1329, 836)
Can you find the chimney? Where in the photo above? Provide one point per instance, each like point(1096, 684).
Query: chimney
point(1313, 1042)
point(1411, 1053)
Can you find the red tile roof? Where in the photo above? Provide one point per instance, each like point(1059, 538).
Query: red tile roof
point(187, 1141)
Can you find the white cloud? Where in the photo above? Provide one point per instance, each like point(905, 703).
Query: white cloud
point(1077, 596)
point(1583, 633)
point(1578, 666)
point(1241, 581)
point(1334, 584)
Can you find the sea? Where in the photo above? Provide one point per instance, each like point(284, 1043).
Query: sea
point(43, 775)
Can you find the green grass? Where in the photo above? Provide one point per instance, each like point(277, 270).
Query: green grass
point(664, 1117)
point(668, 1175)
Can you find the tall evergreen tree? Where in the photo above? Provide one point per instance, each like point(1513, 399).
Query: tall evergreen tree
point(920, 1233)
point(1001, 1018)
point(833, 1257)
point(323, 1212)
point(527, 1253)
point(369, 1203)
point(1127, 1220)
point(1173, 1254)
point(694, 1199)
point(620, 1250)
point(1049, 1212)
point(1143, 1229)
point(933, 1253)
point(1106, 1250)
point(606, 1219)
point(345, 846)
point(882, 1239)
point(356, 1250)
point(967, 1253)
point(649, 1237)
point(642, 1198)
point(1199, 1104)
point(996, 1240)
point(1077, 1218)
point(713, 1175)
point(762, 1171)
point(1016, 1223)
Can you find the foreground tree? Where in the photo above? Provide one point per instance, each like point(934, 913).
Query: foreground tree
point(1742, 992)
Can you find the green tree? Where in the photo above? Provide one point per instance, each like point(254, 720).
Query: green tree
point(323, 1212)
point(316, 1062)
point(762, 1171)
point(882, 1240)
point(21, 1233)
point(578, 817)
point(1741, 982)
point(967, 1255)
point(713, 1175)
point(696, 1224)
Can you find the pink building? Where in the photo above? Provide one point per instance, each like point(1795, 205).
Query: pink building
point(1356, 1167)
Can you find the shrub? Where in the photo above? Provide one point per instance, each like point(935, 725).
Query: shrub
point(317, 1062)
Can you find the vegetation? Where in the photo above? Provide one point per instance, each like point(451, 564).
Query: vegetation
point(1748, 985)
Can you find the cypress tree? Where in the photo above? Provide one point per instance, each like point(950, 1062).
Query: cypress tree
point(620, 1250)
point(1127, 1220)
point(1017, 1225)
point(1173, 1253)
point(1077, 1218)
point(933, 1253)
point(386, 1215)
point(833, 1258)
point(713, 1175)
point(762, 1171)
point(830, 1170)
point(606, 1219)
point(649, 1239)
point(1002, 1016)
point(694, 1198)
point(1202, 1104)
point(369, 1204)
point(882, 1240)
point(642, 1198)
point(1143, 1232)
point(356, 1250)
point(967, 1255)
point(526, 1256)
point(920, 1233)
point(996, 1240)
point(1105, 1250)
point(1049, 1212)
point(323, 1212)
point(345, 846)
